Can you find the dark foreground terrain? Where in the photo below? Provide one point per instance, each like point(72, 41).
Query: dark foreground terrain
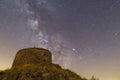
point(35, 64)
point(36, 72)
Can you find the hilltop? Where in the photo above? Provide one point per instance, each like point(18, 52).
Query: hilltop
point(36, 64)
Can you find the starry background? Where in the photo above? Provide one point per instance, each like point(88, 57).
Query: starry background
point(83, 35)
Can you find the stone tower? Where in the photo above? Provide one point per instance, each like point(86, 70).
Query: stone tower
point(32, 56)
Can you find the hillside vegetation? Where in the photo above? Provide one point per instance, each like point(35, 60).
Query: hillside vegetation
point(37, 72)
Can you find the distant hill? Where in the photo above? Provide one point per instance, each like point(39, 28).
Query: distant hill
point(36, 64)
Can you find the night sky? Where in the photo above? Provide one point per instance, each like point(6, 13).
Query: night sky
point(83, 35)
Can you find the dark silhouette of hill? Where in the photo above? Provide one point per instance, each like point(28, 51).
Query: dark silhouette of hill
point(36, 64)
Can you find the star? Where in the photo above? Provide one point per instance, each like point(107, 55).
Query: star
point(74, 49)
point(116, 33)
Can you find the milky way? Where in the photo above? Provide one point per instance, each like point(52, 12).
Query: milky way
point(41, 22)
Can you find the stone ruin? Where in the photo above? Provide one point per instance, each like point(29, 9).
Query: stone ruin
point(32, 56)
